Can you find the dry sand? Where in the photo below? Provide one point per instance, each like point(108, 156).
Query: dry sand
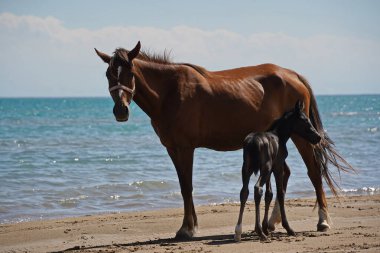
point(356, 229)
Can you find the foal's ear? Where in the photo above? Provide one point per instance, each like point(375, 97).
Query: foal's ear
point(105, 57)
point(299, 106)
point(134, 52)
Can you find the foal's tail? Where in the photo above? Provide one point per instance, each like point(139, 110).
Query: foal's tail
point(324, 151)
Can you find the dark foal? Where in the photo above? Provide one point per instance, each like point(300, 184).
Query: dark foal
point(267, 152)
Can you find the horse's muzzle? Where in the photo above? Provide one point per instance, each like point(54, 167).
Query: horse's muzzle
point(121, 112)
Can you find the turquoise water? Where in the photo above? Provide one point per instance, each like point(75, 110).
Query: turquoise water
point(68, 156)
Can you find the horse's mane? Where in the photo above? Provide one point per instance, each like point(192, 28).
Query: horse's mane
point(163, 59)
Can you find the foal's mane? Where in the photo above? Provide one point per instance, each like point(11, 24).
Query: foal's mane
point(163, 59)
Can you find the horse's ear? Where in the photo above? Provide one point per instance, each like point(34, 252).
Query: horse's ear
point(105, 57)
point(299, 105)
point(134, 52)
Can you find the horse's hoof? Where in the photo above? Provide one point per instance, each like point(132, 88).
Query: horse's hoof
point(323, 227)
point(184, 234)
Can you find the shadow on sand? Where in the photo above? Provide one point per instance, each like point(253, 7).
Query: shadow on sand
point(208, 240)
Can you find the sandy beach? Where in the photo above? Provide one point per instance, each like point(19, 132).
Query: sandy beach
point(356, 228)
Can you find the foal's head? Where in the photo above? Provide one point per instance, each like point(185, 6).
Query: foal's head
point(300, 124)
point(121, 80)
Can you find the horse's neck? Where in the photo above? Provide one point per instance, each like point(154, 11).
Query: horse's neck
point(151, 86)
point(283, 131)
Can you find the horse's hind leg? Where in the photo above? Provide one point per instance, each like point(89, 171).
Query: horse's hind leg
point(275, 217)
point(264, 174)
point(314, 173)
point(246, 175)
point(279, 175)
point(268, 200)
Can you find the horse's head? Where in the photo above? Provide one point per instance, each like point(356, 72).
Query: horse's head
point(121, 80)
point(302, 125)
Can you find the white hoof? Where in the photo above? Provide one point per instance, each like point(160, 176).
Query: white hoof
point(238, 231)
point(237, 237)
point(324, 222)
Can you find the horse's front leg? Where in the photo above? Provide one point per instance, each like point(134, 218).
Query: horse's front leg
point(279, 176)
point(183, 161)
point(275, 218)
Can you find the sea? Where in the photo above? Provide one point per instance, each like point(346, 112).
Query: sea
point(62, 157)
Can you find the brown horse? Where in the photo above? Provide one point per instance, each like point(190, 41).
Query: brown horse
point(191, 107)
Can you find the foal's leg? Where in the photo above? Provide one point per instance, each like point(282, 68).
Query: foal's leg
point(264, 174)
point(275, 218)
point(268, 199)
point(279, 175)
point(246, 175)
point(183, 162)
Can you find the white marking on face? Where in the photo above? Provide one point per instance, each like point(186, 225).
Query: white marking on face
point(119, 69)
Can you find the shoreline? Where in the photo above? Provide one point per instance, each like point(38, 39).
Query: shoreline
point(356, 228)
point(348, 193)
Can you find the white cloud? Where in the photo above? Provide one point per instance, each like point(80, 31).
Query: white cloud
point(41, 57)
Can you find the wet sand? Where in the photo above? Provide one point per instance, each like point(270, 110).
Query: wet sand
point(356, 228)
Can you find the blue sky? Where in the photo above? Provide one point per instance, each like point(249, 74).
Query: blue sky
point(46, 47)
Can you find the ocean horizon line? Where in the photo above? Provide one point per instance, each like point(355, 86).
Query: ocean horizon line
point(107, 96)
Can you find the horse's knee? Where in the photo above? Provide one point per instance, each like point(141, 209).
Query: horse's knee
point(268, 195)
point(244, 194)
point(258, 192)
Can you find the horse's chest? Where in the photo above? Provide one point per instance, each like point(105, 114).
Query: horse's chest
point(169, 134)
point(160, 131)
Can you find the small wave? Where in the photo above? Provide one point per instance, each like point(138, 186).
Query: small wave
point(174, 195)
point(362, 190)
point(115, 197)
point(151, 185)
point(70, 202)
point(372, 129)
point(344, 113)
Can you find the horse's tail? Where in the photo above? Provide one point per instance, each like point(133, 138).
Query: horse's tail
point(324, 151)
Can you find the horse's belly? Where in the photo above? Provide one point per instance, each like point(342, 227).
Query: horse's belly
point(230, 135)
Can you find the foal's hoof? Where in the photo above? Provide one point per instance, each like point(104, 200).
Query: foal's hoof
point(237, 237)
point(264, 238)
point(266, 231)
point(323, 227)
point(184, 234)
point(291, 232)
